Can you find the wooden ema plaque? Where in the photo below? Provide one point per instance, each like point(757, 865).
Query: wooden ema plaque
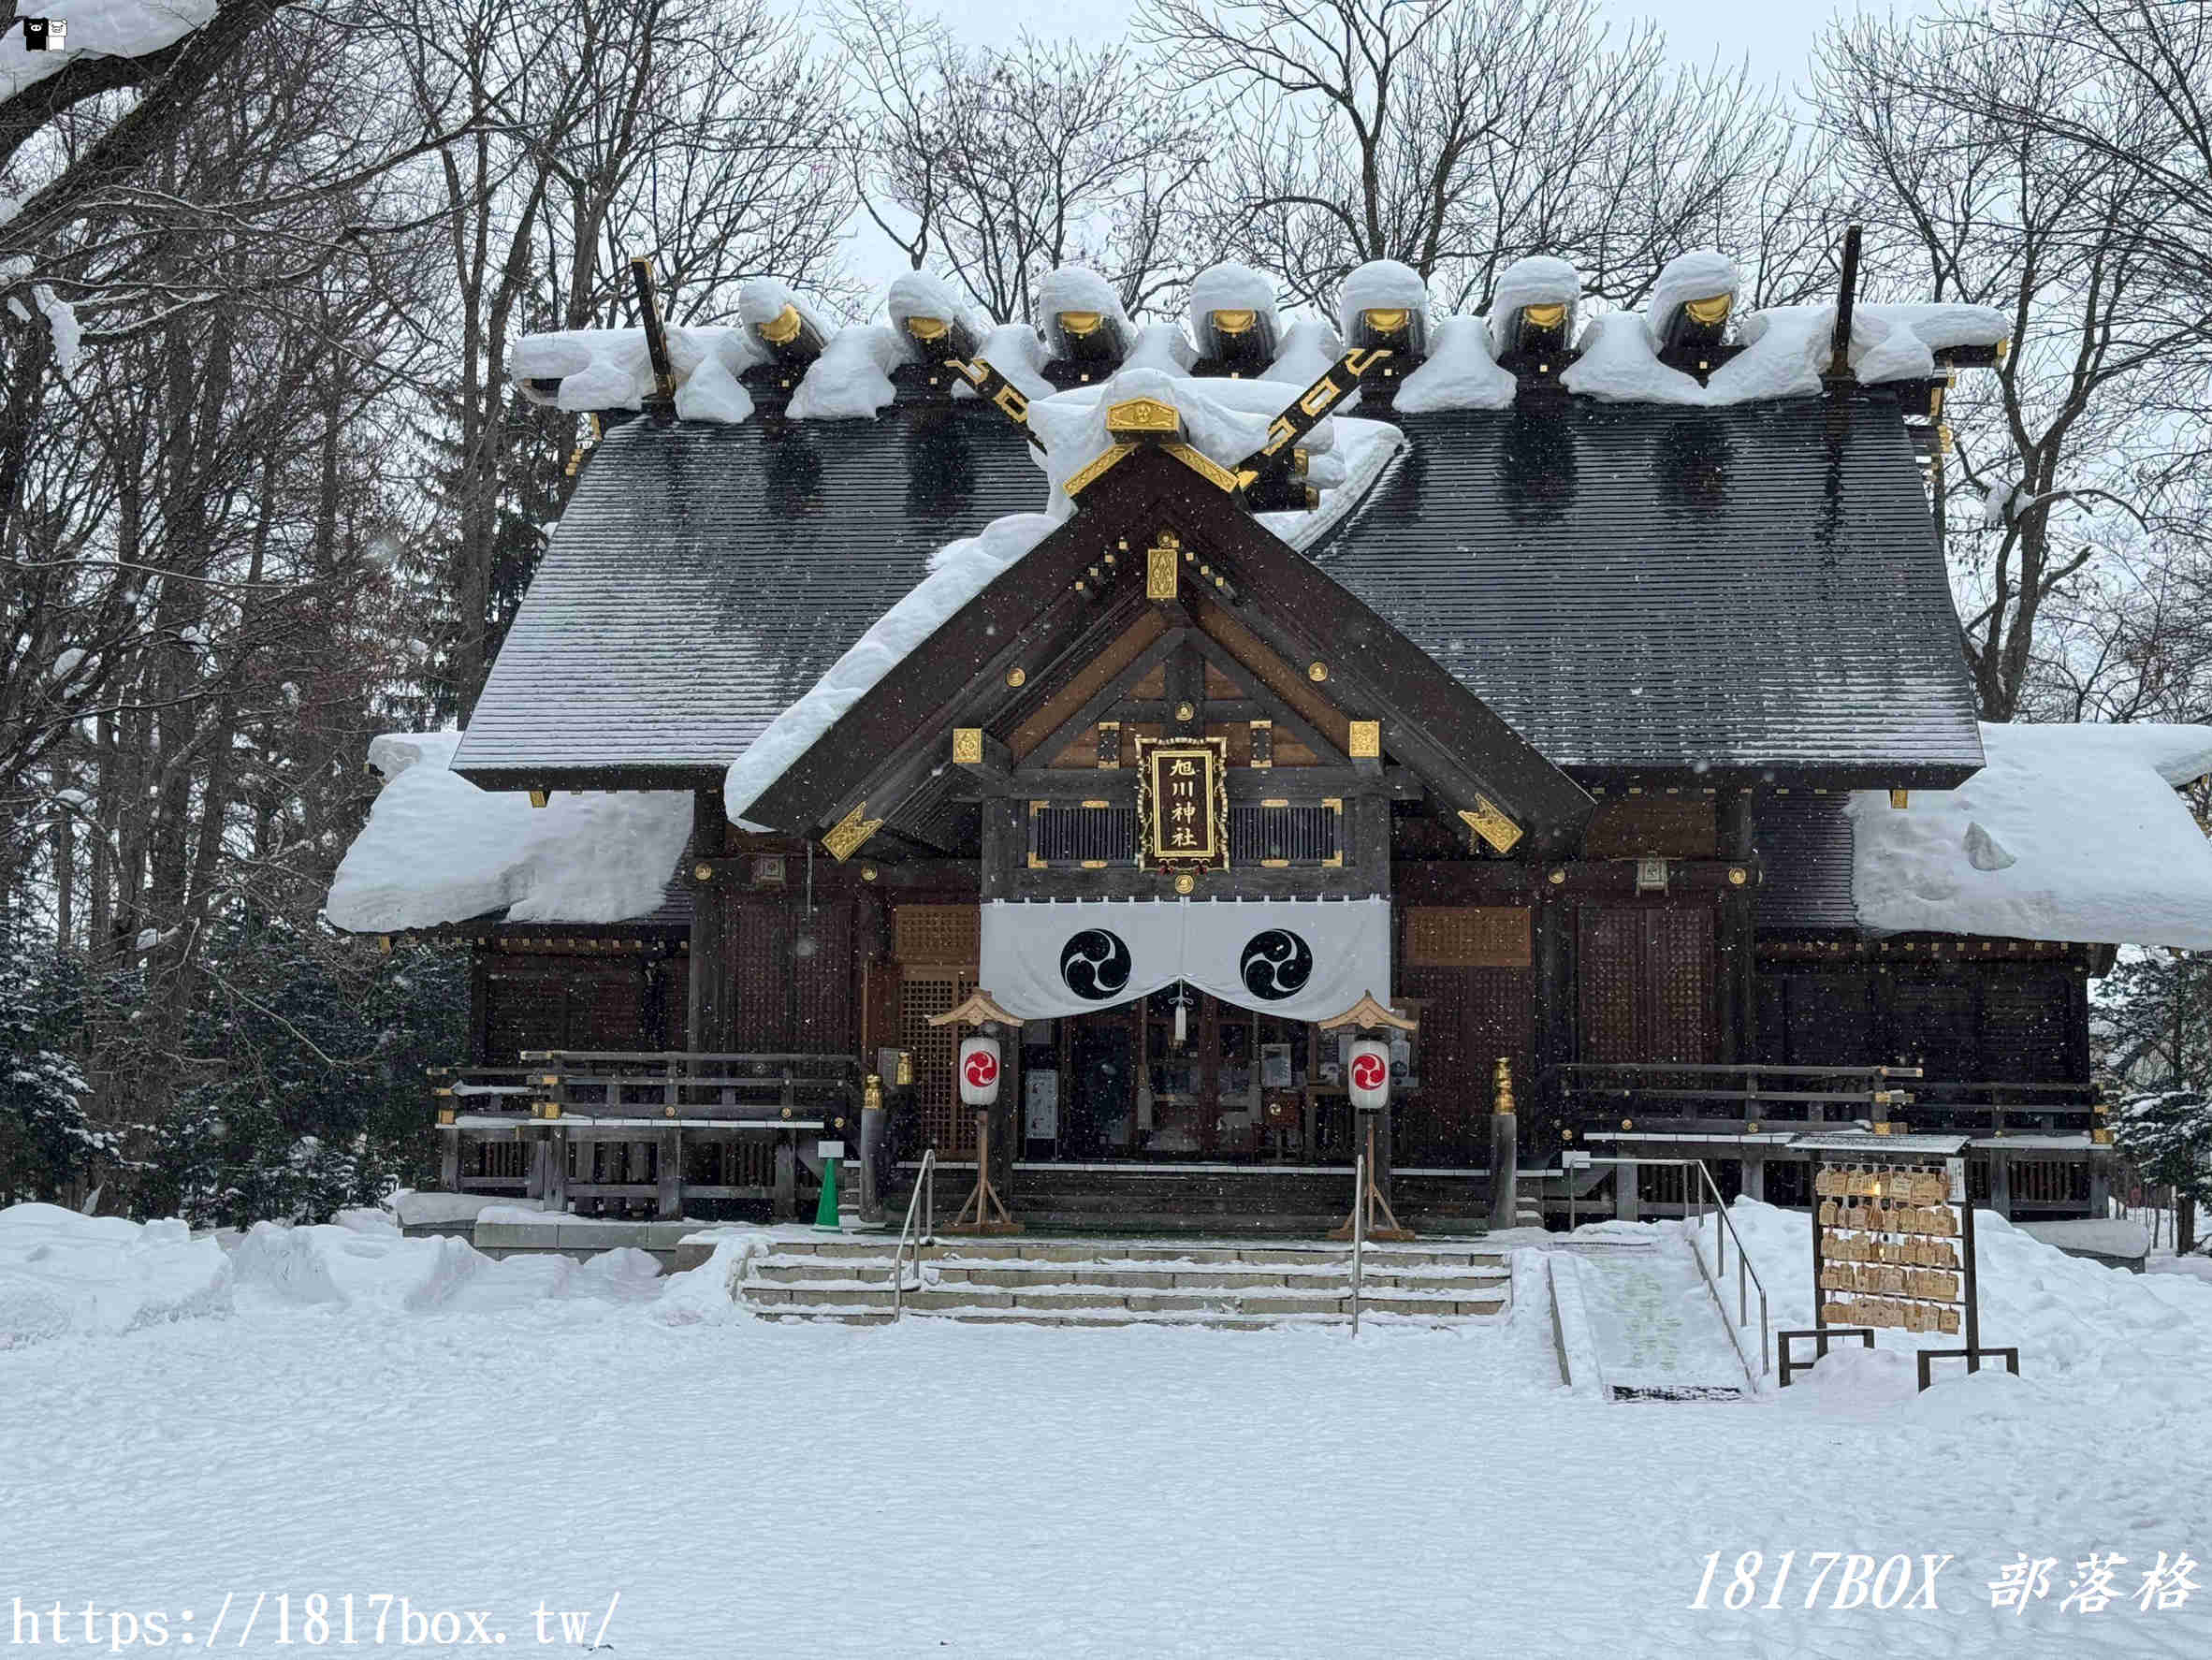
point(1887, 1246)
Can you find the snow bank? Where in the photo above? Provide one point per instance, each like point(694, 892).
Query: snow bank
point(2068, 833)
point(707, 1294)
point(852, 379)
point(339, 1266)
point(1461, 371)
point(957, 574)
point(1016, 352)
point(1310, 348)
point(439, 850)
point(611, 369)
point(1163, 346)
point(2074, 1321)
point(100, 28)
point(1618, 366)
point(64, 1274)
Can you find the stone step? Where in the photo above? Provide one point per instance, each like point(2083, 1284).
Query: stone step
point(779, 1298)
point(1034, 1250)
point(794, 1270)
point(1103, 1317)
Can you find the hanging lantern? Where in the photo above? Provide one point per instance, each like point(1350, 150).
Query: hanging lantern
point(979, 1068)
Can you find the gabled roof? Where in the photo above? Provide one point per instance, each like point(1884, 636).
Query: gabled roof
point(1716, 592)
point(704, 576)
point(1034, 612)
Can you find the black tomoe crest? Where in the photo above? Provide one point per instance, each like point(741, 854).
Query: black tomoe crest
point(1094, 963)
point(1276, 965)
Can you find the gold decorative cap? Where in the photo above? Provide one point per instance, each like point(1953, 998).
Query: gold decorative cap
point(783, 327)
point(1709, 312)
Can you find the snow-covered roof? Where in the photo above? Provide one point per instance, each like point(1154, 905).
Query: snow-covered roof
point(100, 28)
point(1225, 420)
point(438, 850)
point(2069, 833)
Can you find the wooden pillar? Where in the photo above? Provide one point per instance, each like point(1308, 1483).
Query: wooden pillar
point(1753, 1182)
point(713, 1000)
point(2001, 1184)
point(541, 1166)
point(449, 1159)
point(1736, 987)
point(1627, 1202)
point(480, 1005)
point(1555, 1017)
point(784, 1205)
point(556, 1171)
point(669, 1172)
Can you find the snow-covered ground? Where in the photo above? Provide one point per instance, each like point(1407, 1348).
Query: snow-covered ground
point(342, 1409)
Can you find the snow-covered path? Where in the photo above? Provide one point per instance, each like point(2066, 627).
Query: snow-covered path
point(1654, 1321)
point(762, 1489)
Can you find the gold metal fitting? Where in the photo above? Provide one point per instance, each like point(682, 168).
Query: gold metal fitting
point(1081, 323)
point(1365, 743)
point(1707, 312)
point(1140, 418)
point(930, 328)
point(702, 872)
point(540, 797)
point(1316, 671)
point(446, 1114)
point(1017, 676)
point(1233, 322)
point(1738, 876)
point(1899, 798)
point(783, 327)
point(1387, 319)
point(1544, 316)
point(1184, 882)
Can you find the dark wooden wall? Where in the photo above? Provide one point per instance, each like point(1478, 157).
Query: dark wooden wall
point(549, 999)
point(1963, 1021)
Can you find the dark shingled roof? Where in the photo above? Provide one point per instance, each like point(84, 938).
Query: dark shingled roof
point(1636, 586)
point(704, 576)
point(1633, 587)
point(1804, 845)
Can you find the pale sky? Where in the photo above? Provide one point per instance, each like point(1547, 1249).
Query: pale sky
point(1697, 31)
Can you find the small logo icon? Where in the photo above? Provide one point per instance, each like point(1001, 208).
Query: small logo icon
point(983, 1066)
point(46, 33)
point(1369, 1070)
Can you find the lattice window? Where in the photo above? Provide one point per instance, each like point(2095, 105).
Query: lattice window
point(924, 992)
point(2049, 1181)
point(1468, 937)
point(1086, 836)
point(949, 934)
point(1282, 835)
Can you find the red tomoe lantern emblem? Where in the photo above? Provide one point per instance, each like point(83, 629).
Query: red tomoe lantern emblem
point(983, 1066)
point(1369, 1071)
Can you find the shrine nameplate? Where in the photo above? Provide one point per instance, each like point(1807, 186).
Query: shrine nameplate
point(1186, 802)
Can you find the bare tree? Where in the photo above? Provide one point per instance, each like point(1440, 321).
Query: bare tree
point(998, 165)
point(1458, 134)
point(2056, 452)
point(702, 132)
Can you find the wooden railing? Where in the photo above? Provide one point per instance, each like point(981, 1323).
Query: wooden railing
point(738, 1089)
point(1683, 1097)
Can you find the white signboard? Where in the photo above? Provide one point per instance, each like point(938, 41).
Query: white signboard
point(1040, 1106)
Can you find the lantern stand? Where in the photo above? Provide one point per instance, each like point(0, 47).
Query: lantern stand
point(990, 1213)
point(1367, 1015)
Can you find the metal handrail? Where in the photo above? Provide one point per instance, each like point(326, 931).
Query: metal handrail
point(1746, 1276)
point(924, 1189)
point(1358, 1234)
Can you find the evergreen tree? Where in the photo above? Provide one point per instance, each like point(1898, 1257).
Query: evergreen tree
point(319, 1101)
point(46, 1140)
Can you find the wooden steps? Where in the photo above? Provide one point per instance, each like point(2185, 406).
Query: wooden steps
point(1118, 1282)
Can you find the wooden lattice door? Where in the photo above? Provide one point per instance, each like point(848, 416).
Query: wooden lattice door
point(924, 991)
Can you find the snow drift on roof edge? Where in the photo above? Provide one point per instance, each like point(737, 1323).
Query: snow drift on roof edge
point(2069, 833)
point(439, 850)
